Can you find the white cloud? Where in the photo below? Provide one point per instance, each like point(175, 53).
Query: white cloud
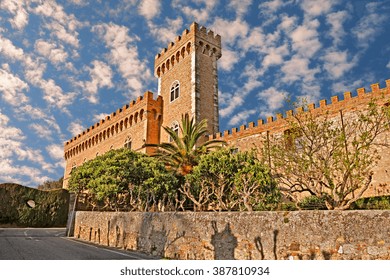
point(12, 172)
point(297, 69)
point(149, 8)
point(79, 2)
point(370, 24)
point(64, 35)
point(54, 95)
point(237, 29)
point(228, 59)
point(12, 88)
point(241, 117)
point(343, 86)
point(273, 99)
point(62, 26)
point(275, 56)
point(315, 8)
point(388, 65)
point(51, 51)
point(337, 64)
point(232, 102)
point(336, 20)
point(11, 145)
point(41, 131)
point(254, 41)
point(305, 39)
point(34, 113)
point(99, 117)
point(287, 23)
point(55, 151)
point(101, 76)
point(34, 71)
point(18, 9)
point(193, 13)
point(124, 54)
point(166, 33)
point(75, 128)
point(272, 6)
point(240, 6)
point(10, 50)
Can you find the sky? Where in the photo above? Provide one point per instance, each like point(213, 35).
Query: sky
point(64, 65)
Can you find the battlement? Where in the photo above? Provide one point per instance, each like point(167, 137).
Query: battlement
point(138, 107)
point(184, 45)
point(273, 124)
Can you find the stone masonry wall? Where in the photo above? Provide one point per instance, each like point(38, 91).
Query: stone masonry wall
point(243, 235)
point(254, 136)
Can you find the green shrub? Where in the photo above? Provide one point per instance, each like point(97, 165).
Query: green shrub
point(51, 207)
point(373, 203)
point(312, 203)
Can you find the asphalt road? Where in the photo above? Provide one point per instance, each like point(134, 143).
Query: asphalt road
point(51, 244)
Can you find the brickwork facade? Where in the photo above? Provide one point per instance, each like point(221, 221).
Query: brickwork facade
point(133, 126)
point(188, 83)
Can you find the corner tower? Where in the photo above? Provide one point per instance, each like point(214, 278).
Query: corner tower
point(188, 78)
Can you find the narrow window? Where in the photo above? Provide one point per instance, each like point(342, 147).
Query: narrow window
point(128, 143)
point(175, 91)
point(175, 128)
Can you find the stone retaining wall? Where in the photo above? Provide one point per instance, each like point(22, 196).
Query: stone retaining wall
point(243, 235)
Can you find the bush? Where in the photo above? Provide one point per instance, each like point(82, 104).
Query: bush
point(312, 203)
point(51, 207)
point(373, 203)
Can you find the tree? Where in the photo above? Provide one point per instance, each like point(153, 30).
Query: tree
point(183, 153)
point(329, 156)
point(123, 178)
point(51, 185)
point(227, 180)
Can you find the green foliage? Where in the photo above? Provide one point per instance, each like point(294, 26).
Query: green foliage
point(331, 156)
point(124, 177)
point(183, 153)
point(51, 207)
point(51, 185)
point(377, 203)
point(224, 180)
point(312, 203)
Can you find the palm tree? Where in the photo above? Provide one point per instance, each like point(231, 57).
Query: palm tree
point(182, 153)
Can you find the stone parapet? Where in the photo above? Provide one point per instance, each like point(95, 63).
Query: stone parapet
point(335, 235)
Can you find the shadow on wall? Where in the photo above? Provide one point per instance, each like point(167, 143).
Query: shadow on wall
point(224, 242)
point(260, 247)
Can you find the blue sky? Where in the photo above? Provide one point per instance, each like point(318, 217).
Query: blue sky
point(64, 65)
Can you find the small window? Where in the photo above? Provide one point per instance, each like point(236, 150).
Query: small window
point(175, 91)
point(128, 143)
point(175, 128)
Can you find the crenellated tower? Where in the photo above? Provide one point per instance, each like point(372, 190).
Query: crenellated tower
point(188, 78)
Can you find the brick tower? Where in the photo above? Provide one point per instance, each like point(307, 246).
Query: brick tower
point(188, 79)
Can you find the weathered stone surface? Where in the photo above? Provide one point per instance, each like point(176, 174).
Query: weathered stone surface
point(242, 235)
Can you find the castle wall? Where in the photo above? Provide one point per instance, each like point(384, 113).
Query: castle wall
point(138, 123)
point(254, 136)
point(335, 235)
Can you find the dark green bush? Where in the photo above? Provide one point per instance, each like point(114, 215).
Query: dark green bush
point(51, 207)
point(377, 203)
point(312, 203)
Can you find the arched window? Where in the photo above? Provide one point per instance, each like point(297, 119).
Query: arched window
point(128, 143)
point(175, 91)
point(175, 128)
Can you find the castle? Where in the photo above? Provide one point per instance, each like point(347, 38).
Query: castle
point(188, 83)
